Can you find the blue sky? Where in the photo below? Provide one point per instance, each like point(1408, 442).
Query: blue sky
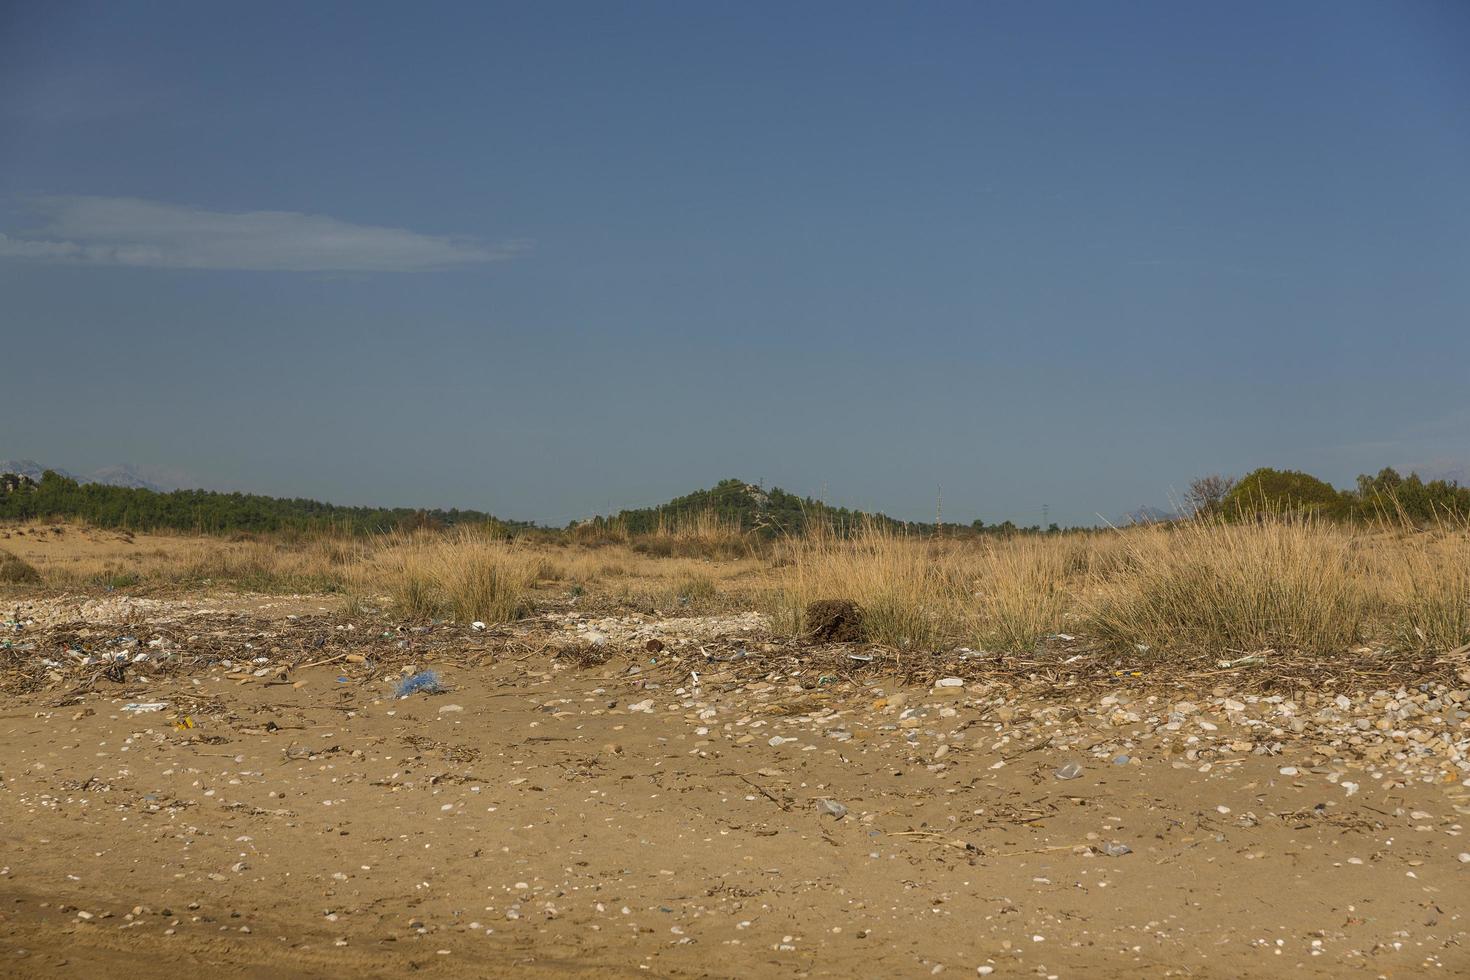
point(547, 259)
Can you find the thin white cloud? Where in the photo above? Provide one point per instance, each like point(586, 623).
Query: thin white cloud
point(125, 231)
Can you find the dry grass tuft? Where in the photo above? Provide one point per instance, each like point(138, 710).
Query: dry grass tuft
point(703, 534)
point(599, 533)
point(1023, 592)
point(1286, 584)
point(1427, 577)
point(910, 598)
point(466, 574)
point(15, 571)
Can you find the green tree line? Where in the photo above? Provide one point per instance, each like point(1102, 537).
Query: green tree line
point(1386, 495)
point(57, 497)
point(775, 511)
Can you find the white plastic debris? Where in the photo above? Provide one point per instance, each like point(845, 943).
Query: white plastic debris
point(833, 807)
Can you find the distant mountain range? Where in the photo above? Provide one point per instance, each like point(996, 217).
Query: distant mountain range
point(121, 475)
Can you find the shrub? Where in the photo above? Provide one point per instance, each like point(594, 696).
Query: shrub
point(16, 571)
point(1268, 491)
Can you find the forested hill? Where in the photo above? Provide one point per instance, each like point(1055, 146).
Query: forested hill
point(58, 497)
point(756, 509)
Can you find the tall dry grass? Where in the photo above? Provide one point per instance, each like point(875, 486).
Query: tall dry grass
point(1425, 579)
point(1004, 594)
point(703, 534)
point(1284, 583)
point(599, 533)
point(466, 575)
point(17, 571)
point(912, 597)
point(1197, 586)
point(1023, 589)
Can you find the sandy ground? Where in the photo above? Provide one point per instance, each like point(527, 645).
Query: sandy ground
point(576, 804)
point(56, 545)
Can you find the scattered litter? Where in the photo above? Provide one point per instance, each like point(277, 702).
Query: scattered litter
point(450, 709)
point(141, 707)
point(1070, 771)
point(950, 682)
point(425, 680)
point(477, 625)
point(1247, 661)
point(833, 807)
point(1113, 849)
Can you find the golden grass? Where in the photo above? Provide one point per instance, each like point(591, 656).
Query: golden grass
point(599, 533)
point(1004, 594)
point(912, 597)
point(1285, 583)
point(1023, 590)
point(1426, 579)
point(1198, 586)
point(702, 534)
point(17, 571)
point(466, 575)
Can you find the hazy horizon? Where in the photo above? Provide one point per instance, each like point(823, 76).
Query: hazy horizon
point(559, 260)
